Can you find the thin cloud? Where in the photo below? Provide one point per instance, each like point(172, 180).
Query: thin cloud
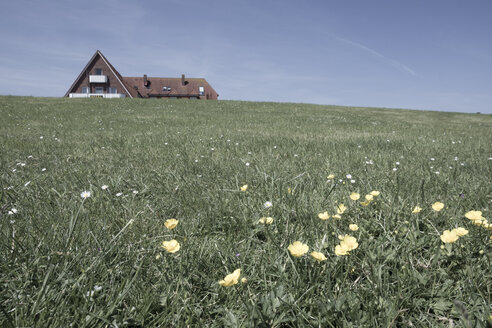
point(390, 61)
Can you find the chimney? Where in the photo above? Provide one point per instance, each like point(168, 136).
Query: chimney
point(182, 79)
point(145, 81)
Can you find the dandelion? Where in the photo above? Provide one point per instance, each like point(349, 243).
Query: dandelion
point(353, 227)
point(171, 246)
point(104, 187)
point(437, 206)
point(266, 220)
point(449, 236)
point(354, 196)
point(298, 249)
point(267, 204)
point(341, 209)
point(171, 223)
point(85, 194)
point(244, 188)
point(231, 279)
point(375, 193)
point(416, 210)
point(324, 216)
point(460, 232)
point(320, 257)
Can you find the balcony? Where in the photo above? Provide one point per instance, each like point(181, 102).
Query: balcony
point(98, 78)
point(97, 95)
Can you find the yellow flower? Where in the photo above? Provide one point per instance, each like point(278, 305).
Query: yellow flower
point(244, 280)
point(416, 209)
point(437, 206)
point(172, 246)
point(244, 188)
point(369, 197)
point(171, 223)
point(289, 190)
point(318, 256)
point(298, 249)
point(449, 236)
point(341, 209)
point(354, 196)
point(375, 193)
point(266, 220)
point(331, 176)
point(474, 215)
point(347, 244)
point(353, 227)
point(365, 203)
point(460, 231)
point(339, 250)
point(336, 216)
point(231, 279)
point(324, 216)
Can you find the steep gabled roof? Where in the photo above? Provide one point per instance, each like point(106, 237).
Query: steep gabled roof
point(132, 93)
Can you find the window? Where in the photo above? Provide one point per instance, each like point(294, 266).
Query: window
point(166, 89)
point(85, 89)
point(202, 91)
point(99, 90)
point(112, 90)
point(99, 71)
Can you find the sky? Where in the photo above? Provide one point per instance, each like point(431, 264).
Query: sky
point(415, 54)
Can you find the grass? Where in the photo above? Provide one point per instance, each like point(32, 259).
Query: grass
point(98, 261)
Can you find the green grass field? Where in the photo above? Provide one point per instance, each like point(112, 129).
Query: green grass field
point(99, 261)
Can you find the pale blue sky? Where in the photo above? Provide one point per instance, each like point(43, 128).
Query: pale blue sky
point(417, 54)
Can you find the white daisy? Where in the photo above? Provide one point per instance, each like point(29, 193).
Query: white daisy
point(85, 194)
point(104, 187)
point(267, 204)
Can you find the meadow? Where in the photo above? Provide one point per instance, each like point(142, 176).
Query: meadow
point(379, 202)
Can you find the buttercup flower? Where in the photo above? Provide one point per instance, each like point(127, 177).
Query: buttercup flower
point(341, 209)
point(336, 216)
point(266, 220)
point(244, 188)
point(298, 249)
point(244, 280)
point(474, 215)
point(449, 236)
point(347, 244)
point(416, 210)
point(318, 256)
point(460, 231)
point(171, 223)
point(353, 227)
point(354, 196)
point(324, 216)
point(331, 176)
point(437, 206)
point(172, 246)
point(231, 279)
point(369, 197)
point(85, 194)
point(365, 203)
point(375, 193)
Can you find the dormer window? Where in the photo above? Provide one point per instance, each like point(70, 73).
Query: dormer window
point(166, 89)
point(98, 71)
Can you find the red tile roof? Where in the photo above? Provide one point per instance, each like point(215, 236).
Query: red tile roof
point(159, 86)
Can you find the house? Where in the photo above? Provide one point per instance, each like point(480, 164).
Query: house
point(100, 79)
